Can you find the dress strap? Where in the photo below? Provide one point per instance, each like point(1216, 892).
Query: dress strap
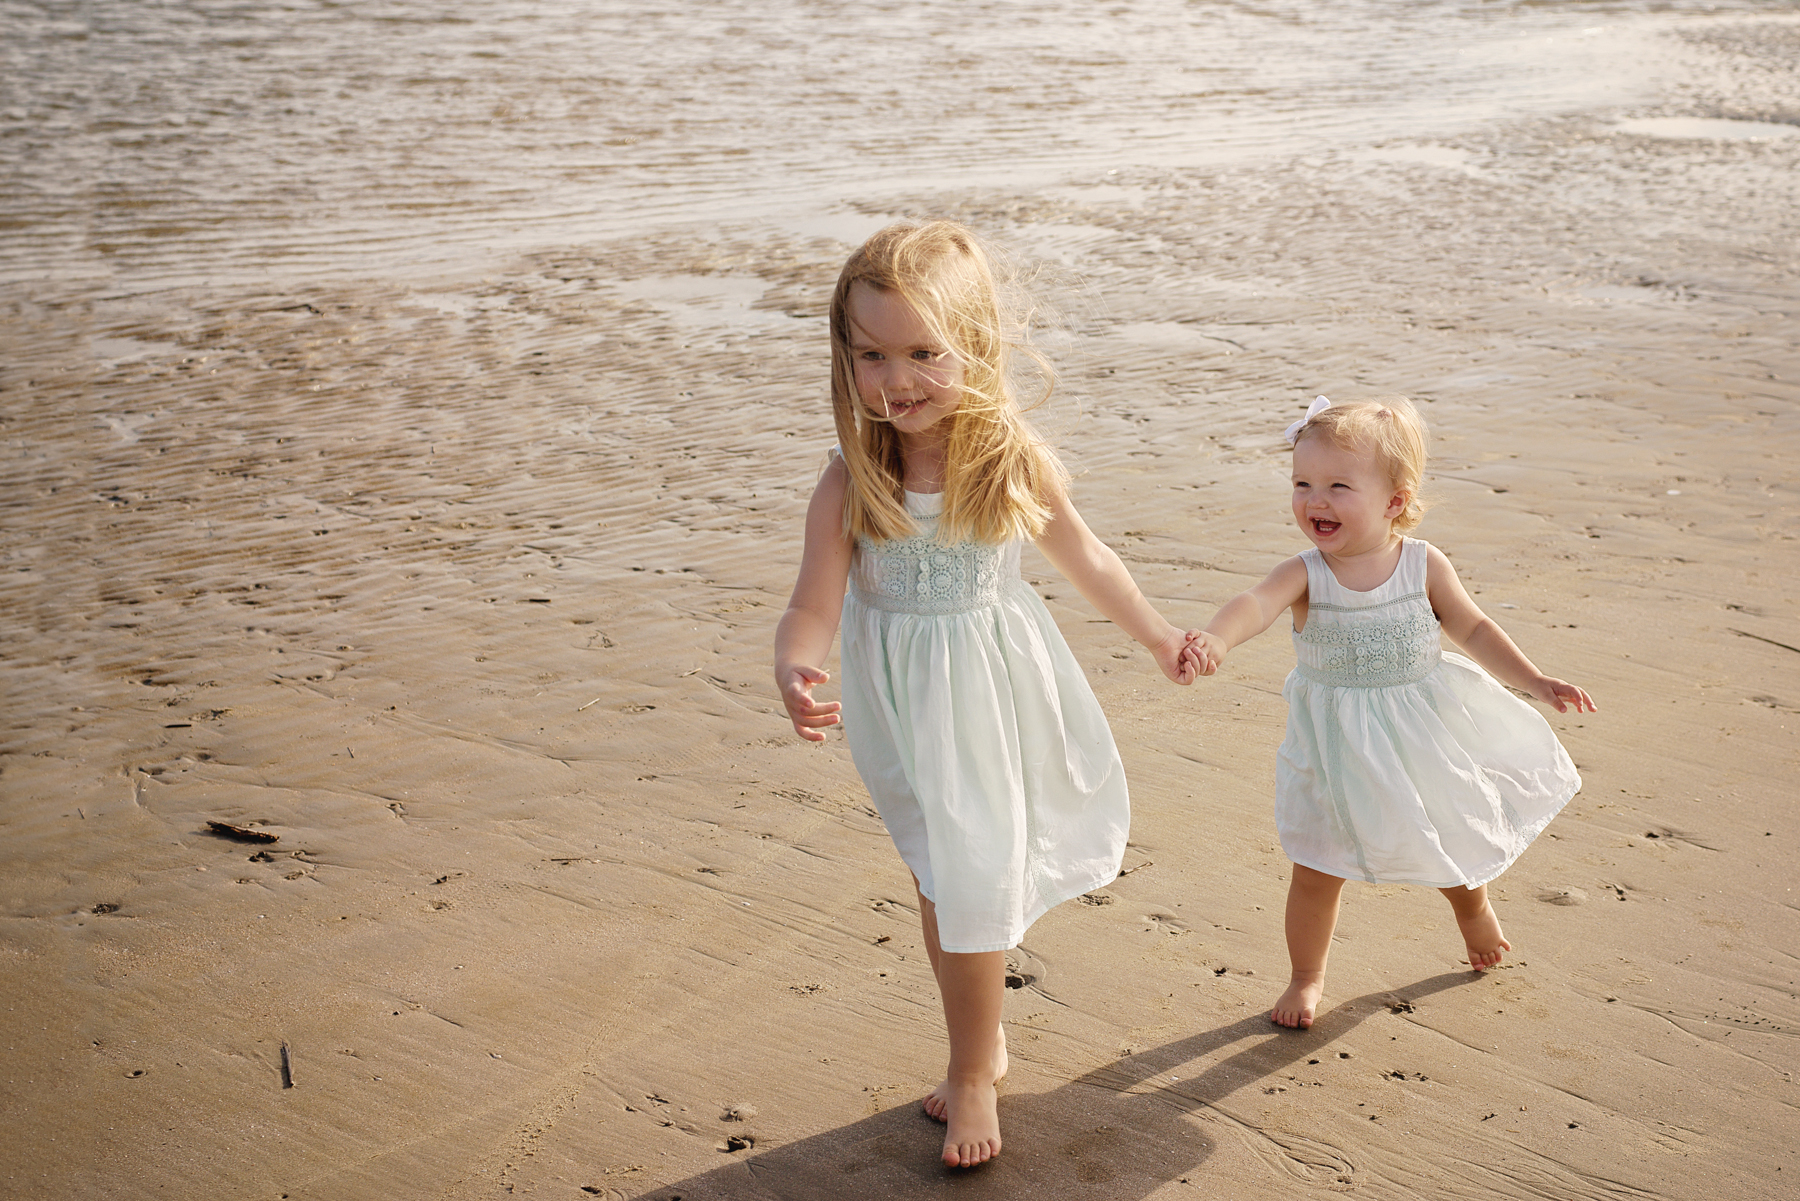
point(1411, 571)
point(1320, 583)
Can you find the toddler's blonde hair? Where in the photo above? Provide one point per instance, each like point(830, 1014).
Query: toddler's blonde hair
point(1389, 430)
point(999, 476)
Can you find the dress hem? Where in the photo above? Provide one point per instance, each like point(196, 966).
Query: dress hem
point(1530, 834)
point(1020, 937)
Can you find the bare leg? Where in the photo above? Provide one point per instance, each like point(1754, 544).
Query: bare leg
point(1312, 913)
point(935, 1101)
point(1479, 924)
point(972, 987)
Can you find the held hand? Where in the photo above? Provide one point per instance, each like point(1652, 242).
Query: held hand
point(1206, 650)
point(1172, 656)
point(1560, 695)
point(1192, 662)
point(809, 716)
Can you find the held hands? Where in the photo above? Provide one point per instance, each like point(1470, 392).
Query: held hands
point(1204, 651)
point(810, 717)
point(1173, 657)
point(1560, 695)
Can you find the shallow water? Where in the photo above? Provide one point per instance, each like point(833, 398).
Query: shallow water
point(217, 140)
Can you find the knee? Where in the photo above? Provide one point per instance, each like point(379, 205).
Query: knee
point(1315, 883)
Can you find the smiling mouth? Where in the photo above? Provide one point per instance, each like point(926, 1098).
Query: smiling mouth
point(903, 408)
point(1323, 528)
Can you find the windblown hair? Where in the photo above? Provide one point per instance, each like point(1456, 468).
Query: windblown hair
point(1390, 430)
point(1000, 477)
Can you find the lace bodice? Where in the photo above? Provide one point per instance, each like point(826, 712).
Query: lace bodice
point(1374, 639)
point(921, 575)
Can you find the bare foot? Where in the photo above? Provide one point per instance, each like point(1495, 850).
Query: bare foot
point(1294, 1008)
point(972, 1118)
point(936, 1102)
point(1485, 941)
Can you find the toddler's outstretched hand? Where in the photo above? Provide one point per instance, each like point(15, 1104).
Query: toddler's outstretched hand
point(1205, 651)
point(1560, 695)
point(809, 716)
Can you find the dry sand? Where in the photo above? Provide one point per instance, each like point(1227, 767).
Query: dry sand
point(465, 590)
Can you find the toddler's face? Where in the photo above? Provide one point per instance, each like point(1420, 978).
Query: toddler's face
point(1343, 501)
point(904, 374)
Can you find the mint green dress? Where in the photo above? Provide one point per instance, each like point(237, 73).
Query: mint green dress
point(1404, 763)
point(976, 733)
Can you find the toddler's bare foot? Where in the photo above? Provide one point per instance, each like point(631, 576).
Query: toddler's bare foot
point(1294, 1008)
point(972, 1119)
point(935, 1102)
point(1485, 941)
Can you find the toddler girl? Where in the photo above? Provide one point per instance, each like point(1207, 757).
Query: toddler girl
point(1402, 763)
point(968, 718)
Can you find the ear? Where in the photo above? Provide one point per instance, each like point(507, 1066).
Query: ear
point(1397, 504)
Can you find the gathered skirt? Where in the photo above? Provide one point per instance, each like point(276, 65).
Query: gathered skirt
point(988, 758)
point(1442, 782)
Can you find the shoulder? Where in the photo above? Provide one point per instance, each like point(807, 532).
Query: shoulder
point(1297, 566)
point(1036, 471)
point(1049, 487)
point(1435, 559)
point(1286, 583)
point(1053, 493)
point(1048, 478)
point(830, 492)
point(836, 475)
point(1294, 567)
point(1440, 573)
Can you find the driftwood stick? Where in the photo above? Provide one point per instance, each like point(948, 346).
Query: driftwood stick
point(241, 833)
point(1747, 634)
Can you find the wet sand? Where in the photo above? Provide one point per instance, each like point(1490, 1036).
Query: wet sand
point(463, 587)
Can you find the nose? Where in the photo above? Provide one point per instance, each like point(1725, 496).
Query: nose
point(896, 376)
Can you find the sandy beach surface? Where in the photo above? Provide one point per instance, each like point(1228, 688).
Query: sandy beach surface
point(456, 573)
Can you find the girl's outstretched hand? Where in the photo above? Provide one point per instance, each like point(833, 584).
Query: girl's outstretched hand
point(1561, 695)
point(1172, 656)
point(809, 716)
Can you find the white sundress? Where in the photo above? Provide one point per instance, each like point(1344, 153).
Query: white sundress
point(977, 734)
point(1404, 763)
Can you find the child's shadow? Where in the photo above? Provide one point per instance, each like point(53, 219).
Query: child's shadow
point(1121, 1131)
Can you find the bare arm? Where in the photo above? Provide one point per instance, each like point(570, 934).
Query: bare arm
point(1098, 575)
point(1248, 614)
point(1486, 643)
point(803, 636)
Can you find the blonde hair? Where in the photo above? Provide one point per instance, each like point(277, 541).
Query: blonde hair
point(999, 475)
point(1389, 430)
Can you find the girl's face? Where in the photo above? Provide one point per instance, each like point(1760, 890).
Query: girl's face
point(904, 374)
point(1343, 501)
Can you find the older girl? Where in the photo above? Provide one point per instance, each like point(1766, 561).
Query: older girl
point(969, 720)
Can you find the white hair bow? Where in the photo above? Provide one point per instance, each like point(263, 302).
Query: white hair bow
point(1319, 405)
